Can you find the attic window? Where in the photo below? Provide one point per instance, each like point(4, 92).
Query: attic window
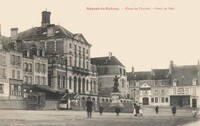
point(44, 33)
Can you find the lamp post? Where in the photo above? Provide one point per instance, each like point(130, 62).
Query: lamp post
point(134, 94)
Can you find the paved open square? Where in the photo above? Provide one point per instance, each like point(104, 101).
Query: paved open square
point(79, 118)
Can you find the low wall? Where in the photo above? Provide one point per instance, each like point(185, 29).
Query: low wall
point(12, 104)
point(51, 105)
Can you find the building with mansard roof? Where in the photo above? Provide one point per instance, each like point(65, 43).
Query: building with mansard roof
point(68, 54)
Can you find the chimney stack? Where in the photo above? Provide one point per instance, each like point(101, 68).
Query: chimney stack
point(45, 18)
point(132, 70)
point(14, 33)
point(171, 67)
point(110, 55)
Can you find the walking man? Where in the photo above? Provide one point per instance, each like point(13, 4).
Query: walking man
point(156, 109)
point(174, 110)
point(100, 109)
point(89, 105)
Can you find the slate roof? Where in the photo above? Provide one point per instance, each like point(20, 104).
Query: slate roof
point(143, 75)
point(37, 33)
point(154, 74)
point(185, 74)
point(8, 45)
point(103, 61)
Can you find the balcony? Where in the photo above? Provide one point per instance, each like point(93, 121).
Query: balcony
point(80, 71)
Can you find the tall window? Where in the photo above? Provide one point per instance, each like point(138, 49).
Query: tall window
point(13, 74)
point(58, 81)
point(30, 80)
point(43, 68)
point(162, 99)
point(2, 72)
point(87, 65)
point(25, 79)
point(156, 99)
point(15, 90)
point(87, 84)
point(18, 74)
point(63, 81)
point(1, 88)
point(70, 45)
point(18, 60)
point(152, 100)
point(70, 61)
point(162, 92)
point(25, 66)
point(70, 83)
point(30, 67)
point(43, 80)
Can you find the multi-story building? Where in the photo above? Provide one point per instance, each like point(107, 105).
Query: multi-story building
point(13, 69)
point(150, 87)
point(4, 81)
point(107, 68)
point(68, 55)
point(177, 85)
point(184, 89)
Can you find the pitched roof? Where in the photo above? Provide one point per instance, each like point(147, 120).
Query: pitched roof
point(143, 75)
point(160, 74)
point(185, 74)
point(154, 74)
point(38, 33)
point(103, 61)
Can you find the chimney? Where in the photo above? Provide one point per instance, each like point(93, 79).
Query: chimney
point(14, 33)
point(171, 67)
point(45, 18)
point(110, 55)
point(50, 30)
point(0, 29)
point(132, 70)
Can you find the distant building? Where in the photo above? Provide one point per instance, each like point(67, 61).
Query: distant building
point(150, 87)
point(107, 68)
point(184, 88)
point(177, 85)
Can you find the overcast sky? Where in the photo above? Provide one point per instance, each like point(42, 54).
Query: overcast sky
point(145, 39)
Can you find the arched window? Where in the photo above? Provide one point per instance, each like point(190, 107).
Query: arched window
point(63, 81)
point(70, 82)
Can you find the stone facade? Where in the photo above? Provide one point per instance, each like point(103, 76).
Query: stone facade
point(177, 85)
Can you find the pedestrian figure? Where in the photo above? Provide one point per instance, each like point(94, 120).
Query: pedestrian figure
point(134, 111)
point(137, 110)
point(156, 109)
point(174, 110)
point(194, 113)
point(100, 109)
point(141, 111)
point(117, 110)
point(89, 105)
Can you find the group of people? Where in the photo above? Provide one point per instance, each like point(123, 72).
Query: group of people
point(137, 109)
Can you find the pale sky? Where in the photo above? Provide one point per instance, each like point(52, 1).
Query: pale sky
point(145, 39)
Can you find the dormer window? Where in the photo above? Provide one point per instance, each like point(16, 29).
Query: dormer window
point(175, 82)
point(28, 53)
point(15, 46)
point(194, 81)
